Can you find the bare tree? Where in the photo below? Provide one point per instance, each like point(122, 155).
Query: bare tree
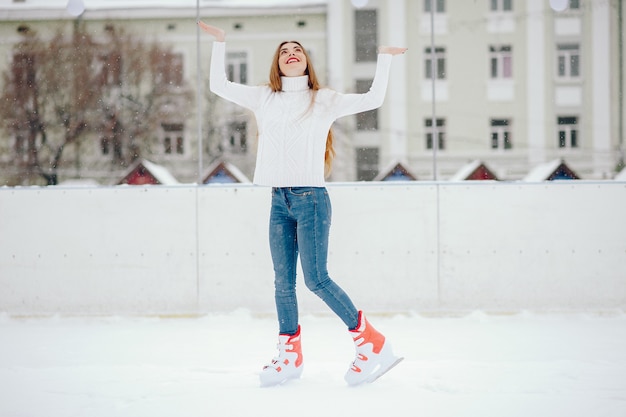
point(143, 91)
point(43, 98)
point(115, 88)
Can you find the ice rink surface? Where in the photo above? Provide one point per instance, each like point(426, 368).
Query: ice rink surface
point(476, 364)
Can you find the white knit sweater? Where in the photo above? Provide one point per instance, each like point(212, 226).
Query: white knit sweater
point(292, 133)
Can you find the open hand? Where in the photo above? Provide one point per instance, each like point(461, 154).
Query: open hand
point(393, 50)
point(219, 33)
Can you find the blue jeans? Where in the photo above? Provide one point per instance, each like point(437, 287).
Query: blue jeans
point(300, 223)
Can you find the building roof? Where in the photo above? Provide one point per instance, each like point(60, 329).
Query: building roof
point(395, 171)
point(221, 172)
point(556, 169)
point(474, 170)
point(154, 174)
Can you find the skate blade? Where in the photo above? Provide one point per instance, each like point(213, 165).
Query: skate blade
point(383, 370)
point(278, 382)
point(269, 384)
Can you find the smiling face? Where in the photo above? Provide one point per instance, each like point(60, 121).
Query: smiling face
point(292, 60)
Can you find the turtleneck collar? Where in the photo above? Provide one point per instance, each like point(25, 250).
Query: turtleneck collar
point(293, 84)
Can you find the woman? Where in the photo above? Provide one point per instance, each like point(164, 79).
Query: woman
point(294, 115)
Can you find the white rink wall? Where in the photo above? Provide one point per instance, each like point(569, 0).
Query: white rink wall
point(416, 246)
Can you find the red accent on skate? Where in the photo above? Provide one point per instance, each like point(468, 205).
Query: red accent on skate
point(365, 333)
point(296, 347)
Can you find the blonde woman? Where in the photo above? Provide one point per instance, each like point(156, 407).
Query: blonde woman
point(294, 117)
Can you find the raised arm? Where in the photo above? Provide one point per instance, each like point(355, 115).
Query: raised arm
point(346, 104)
point(244, 95)
point(218, 33)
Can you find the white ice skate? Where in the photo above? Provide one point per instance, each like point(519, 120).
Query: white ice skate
point(287, 365)
point(374, 356)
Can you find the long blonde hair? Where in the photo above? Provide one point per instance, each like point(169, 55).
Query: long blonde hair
point(276, 84)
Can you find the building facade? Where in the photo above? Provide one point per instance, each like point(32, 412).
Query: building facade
point(222, 131)
point(508, 82)
point(511, 83)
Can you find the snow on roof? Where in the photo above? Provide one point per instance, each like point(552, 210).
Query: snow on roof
point(621, 176)
point(466, 170)
point(232, 169)
point(542, 171)
point(159, 172)
point(386, 174)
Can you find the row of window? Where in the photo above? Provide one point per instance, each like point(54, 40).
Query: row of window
point(236, 138)
point(501, 62)
point(173, 140)
point(173, 144)
point(494, 5)
point(367, 158)
point(501, 135)
point(500, 56)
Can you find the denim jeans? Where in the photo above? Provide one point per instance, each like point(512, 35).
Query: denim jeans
point(299, 224)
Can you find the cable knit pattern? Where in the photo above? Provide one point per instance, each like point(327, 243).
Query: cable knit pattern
point(292, 132)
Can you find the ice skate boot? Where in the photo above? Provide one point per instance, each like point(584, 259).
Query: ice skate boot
point(374, 356)
point(287, 365)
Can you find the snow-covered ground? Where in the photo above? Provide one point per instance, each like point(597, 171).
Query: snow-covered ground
point(528, 365)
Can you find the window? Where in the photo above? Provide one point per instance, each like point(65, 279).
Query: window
point(169, 69)
point(568, 131)
point(501, 134)
point(110, 69)
point(366, 163)
point(24, 70)
point(366, 35)
point(440, 63)
point(574, 4)
point(440, 6)
point(111, 146)
point(237, 67)
point(173, 138)
point(105, 146)
point(501, 61)
point(167, 143)
point(501, 5)
point(367, 120)
point(20, 147)
point(568, 60)
point(441, 133)
point(238, 137)
point(18, 144)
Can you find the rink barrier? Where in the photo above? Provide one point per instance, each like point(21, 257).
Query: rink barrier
point(418, 246)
